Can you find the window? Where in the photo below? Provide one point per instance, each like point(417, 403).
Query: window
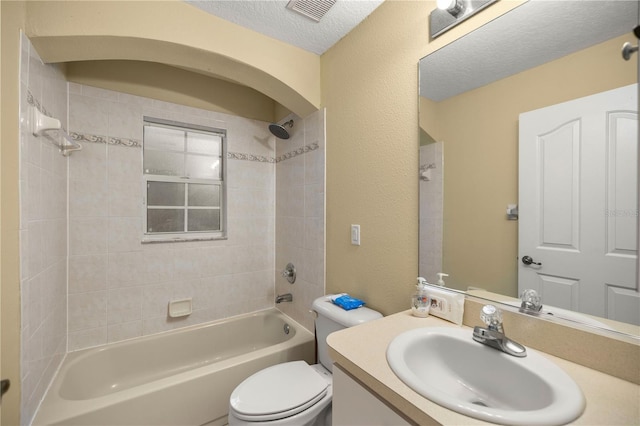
point(184, 175)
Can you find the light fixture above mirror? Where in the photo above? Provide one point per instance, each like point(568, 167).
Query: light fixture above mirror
point(450, 13)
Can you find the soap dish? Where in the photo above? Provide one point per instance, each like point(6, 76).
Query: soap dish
point(180, 308)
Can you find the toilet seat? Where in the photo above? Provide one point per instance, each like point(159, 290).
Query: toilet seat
point(278, 391)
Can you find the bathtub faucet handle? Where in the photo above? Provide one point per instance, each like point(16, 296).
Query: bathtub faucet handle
point(290, 273)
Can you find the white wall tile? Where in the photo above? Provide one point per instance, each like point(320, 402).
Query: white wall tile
point(33, 192)
point(87, 338)
point(124, 331)
point(35, 247)
point(186, 264)
point(88, 114)
point(158, 266)
point(124, 234)
point(87, 273)
point(124, 305)
point(155, 300)
point(87, 310)
point(90, 163)
point(88, 235)
point(125, 120)
point(126, 269)
point(88, 198)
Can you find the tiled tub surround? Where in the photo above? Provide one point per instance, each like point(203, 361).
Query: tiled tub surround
point(43, 232)
point(300, 201)
point(119, 287)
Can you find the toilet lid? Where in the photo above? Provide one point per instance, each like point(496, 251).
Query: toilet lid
point(278, 391)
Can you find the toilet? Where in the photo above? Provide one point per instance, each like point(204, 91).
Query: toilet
point(296, 393)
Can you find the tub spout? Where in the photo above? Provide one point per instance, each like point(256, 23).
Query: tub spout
point(288, 297)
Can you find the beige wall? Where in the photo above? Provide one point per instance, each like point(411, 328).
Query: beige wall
point(13, 18)
point(369, 82)
point(370, 90)
point(481, 176)
point(167, 83)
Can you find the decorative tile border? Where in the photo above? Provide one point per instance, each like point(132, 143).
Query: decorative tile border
point(83, 137)
point(250, 157)
point(134, 143)
point(297, 152)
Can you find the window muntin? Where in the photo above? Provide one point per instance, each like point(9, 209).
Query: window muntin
point(184, 176)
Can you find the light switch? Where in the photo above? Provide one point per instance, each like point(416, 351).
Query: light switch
point(355, 235)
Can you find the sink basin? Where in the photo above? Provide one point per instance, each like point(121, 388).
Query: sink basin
point(446, 366)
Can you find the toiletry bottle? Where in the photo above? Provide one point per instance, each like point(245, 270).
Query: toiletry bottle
point(440, 280)
point(420, 302)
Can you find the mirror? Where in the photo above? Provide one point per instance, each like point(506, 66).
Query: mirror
point(472, 91)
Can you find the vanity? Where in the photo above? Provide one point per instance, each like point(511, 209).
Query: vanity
point(368, 392)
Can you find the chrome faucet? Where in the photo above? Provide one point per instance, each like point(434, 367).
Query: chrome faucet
point(494, 336)
point(288, 297)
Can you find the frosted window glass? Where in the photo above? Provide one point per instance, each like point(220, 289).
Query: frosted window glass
point(163, 138)
point(184, 171)
point(203, 167)
point(165, 194)
point(204, 195)
point(165, 220)
point(204, 144)
point(163, 163)
point(203, 220)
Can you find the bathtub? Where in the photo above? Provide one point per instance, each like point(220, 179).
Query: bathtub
point(181, 377)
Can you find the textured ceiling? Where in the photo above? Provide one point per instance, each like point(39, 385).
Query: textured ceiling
point(539, 31)
point(273, 19)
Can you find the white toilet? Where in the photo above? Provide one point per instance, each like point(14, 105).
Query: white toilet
point(296, 393)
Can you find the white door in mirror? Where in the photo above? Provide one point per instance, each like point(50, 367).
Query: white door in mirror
point(577, 230)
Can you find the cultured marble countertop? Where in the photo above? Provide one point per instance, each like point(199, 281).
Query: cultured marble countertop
point(361, 352)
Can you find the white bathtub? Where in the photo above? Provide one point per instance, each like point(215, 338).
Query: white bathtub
point(182, 377)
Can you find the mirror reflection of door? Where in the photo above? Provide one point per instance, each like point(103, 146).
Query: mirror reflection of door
point(578, 204)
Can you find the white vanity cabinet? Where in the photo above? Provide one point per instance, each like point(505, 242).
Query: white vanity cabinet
point(354, 405)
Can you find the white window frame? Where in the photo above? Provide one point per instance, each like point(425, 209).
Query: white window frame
point(222, 183)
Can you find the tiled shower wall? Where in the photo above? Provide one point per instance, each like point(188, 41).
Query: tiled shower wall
point(120, 288)
point(300, 204)
point(431, 208)
point(43, 231)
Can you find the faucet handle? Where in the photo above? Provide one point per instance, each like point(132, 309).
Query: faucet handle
point(290, 273)
point(531, 301)
point(492, 317)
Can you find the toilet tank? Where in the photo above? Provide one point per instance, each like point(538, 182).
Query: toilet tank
point(333, 318)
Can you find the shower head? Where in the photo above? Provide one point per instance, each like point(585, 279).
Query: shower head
point(279, 131)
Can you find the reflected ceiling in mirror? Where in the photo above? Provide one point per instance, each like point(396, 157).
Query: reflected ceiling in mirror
point(471, 94)
point(534, 33)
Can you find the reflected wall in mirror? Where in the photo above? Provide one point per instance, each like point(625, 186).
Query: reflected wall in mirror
point(472, 92)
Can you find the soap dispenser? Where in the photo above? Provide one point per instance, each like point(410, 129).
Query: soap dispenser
point(440, 280)
point(420, 302)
